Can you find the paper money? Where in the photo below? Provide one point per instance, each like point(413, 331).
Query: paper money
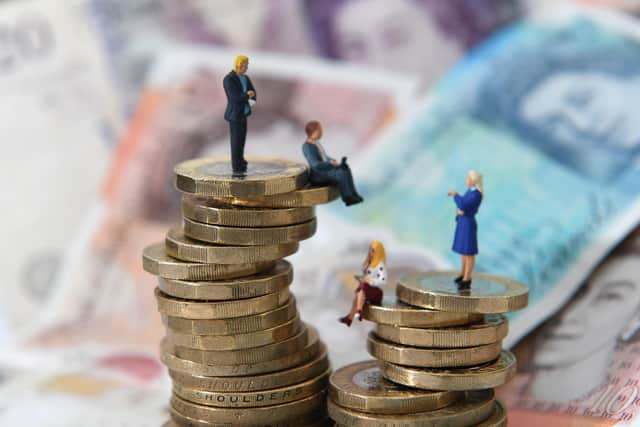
point(584, 360)
point(420, 38)
point(107, 297)
point(541, 111)
point(56, 145)
point(79, 398)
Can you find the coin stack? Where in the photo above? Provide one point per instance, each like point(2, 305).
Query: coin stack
point(439, 355)
point(236, 348)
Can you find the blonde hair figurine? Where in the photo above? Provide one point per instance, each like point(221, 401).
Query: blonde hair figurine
point(465, 240)
point(374, 275)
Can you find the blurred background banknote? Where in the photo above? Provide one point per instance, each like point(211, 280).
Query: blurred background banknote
point(390, 37)
point(543, 107)
point(51, 70)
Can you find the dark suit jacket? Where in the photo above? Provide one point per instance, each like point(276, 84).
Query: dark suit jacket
point(237, 99)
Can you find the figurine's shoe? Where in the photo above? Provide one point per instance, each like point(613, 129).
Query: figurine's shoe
point(352, 200)
point(346, 320)
point(458, 279)
point(239, 173)
point(464, 285)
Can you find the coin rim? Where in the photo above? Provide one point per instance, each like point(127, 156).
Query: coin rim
point(431, 357)
point(345, 393)
point(304, 197)
point(409, 293)
point(492, 329)
point(234, 216)
point(267, 282)
point(188, 181)
point(458, 379)
point(187, 249)
point(319, 363)
point(249, 236)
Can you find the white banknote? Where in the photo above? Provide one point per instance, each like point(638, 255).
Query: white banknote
point(57, 116)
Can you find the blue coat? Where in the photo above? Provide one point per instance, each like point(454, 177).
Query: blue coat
point(465, 240)
point(237, 99)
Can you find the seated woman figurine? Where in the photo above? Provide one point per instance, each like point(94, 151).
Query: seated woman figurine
point(374, 274)
point(324, 169)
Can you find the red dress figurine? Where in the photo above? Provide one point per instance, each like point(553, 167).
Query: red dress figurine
point(374, 274)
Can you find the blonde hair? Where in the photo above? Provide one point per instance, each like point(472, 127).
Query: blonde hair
point(378, 254)
point(476, 178)
point(239, 60)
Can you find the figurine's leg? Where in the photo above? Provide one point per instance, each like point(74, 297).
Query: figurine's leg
point(462, 269)
point(235, 128)
point(243, 139)
point(360, 300)
point(470, 264)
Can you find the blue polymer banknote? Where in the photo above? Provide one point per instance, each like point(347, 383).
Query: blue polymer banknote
point(546, 112)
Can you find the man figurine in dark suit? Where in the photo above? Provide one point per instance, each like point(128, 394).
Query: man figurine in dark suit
point(240, 96)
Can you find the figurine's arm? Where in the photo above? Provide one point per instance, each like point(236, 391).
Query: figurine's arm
point(251, 88)
point(466, 202)
point(234, 93)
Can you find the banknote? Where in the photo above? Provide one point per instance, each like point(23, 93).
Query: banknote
point(584, 360)
point(56, 145)
point(419, 37)
point(106, 297)
point(541, 111)
point(78, 398)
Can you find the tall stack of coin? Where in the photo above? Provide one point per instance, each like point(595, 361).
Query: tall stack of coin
point(236, 348)
point(439, 352)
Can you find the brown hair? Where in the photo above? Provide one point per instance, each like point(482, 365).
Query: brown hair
point(311, 127)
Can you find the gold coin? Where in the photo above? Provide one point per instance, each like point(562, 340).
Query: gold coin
point(360, 386)
point(156, 261)
point(393, 312)
point(245, 356)
point(497, 419)
point(278, 379)
point(491, 329)
point(181, 247)
point(306, 197)
point(211, 211)
point(177, 307)
point(436, 290)
point(239, 341)
point(263, 283)
point(168, 356)
point(234, 325)
point(289, 414)
point(474, 408)
point(431, 357)
point(254, 399)
point(312, 422)
point(243, 236)
point(488, 375)
point(212, 177)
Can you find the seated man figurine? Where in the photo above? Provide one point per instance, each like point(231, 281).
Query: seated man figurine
point(324, 169)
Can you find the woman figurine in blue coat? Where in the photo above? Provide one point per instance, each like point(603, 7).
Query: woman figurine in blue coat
point(465, 241)
point(327, 171)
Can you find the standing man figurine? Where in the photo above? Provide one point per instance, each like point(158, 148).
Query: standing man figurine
point(465, 241)
point(240, 96)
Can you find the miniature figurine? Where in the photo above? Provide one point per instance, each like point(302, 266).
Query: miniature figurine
point(240, 96)
point(324, 169)
point(465, 241)
point(374, 274)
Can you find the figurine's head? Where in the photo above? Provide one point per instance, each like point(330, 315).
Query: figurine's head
point(376, 253)
point(313, 130)
point(241, 64)
point(474, 178)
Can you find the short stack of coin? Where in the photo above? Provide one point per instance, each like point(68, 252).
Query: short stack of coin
point(236, 348)
point(439, 352)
